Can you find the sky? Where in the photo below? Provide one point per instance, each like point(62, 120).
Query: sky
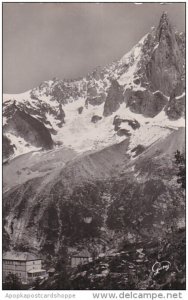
point(67, 40)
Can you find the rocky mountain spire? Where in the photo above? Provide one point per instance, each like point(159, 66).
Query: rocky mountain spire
point(165, 68)
point(165, 33)
point(164, 26)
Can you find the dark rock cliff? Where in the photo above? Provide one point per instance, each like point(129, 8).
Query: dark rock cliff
point(32, 130)
point(114, 98)
point(8, 148)
point(176, 107)
point(145, 102)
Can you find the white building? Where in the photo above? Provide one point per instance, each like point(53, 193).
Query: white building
point(26, 266)
point(82, 257)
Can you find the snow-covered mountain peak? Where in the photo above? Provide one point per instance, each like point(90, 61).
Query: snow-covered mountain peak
point(145, 85)
point(135, 52)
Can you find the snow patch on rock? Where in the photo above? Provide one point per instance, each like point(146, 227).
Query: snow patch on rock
point(21, 146)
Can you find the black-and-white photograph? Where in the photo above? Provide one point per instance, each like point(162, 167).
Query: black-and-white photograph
point(93, 146)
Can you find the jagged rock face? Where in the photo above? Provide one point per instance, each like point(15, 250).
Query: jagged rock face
point(30, 129)
point(146, 103)
point(165, 68)
point(176, 108)
point(61, 91)
point(33, 107)
point(65, 91)
point(114, 98)
point(99, 99)
point(118, 121)
point(8, 148)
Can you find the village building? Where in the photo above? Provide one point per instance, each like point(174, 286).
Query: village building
point(26, 266)
point(80, 258)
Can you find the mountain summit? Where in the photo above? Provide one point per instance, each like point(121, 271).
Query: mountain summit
point(164, 24)
point(147, 85)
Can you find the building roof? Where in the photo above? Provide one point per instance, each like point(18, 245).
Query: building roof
point(83, 253)
point(51, 270)
point(36, 271)
point(24, 256)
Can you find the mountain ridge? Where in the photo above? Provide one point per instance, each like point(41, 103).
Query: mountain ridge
point(136, 80)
